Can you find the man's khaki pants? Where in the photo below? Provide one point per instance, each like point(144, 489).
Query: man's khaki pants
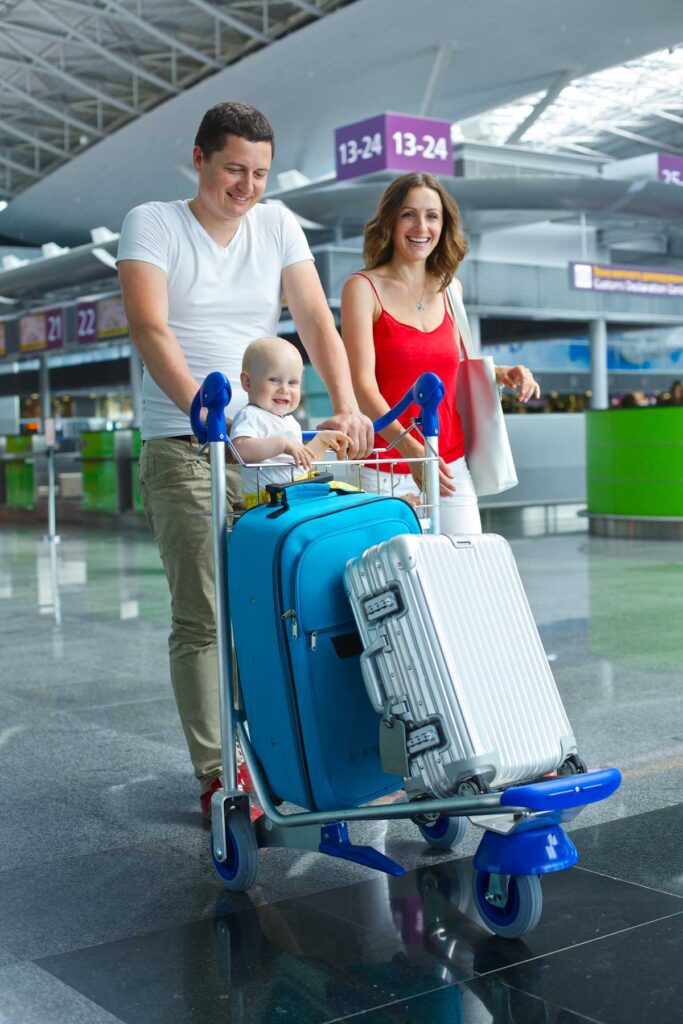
point(175, 484)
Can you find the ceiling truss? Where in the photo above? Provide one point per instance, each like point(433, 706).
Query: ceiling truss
point(74, 71)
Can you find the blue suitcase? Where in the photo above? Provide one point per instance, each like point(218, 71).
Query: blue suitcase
point(298, 651)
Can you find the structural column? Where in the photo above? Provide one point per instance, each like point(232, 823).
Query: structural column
point(44, 388)
point(598, 339)
point(474, 321)
point(136, 384)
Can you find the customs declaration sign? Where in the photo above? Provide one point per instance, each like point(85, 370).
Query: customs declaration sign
point(660, 282)
point(393, 142)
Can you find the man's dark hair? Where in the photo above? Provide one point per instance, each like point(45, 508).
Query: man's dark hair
point(232, 119)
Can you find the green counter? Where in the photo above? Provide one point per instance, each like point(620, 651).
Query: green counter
point(20, 477)
point(634, 462)
point(106, 470)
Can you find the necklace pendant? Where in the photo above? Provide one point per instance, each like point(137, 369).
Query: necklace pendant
point(420, 305)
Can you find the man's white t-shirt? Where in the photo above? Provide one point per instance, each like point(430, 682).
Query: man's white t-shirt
point(252, 421)
point(219, 298)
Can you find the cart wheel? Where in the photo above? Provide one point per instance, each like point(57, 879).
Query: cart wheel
point(238, 871)
point(444, 833)
point(521, 912)
point(572, 766)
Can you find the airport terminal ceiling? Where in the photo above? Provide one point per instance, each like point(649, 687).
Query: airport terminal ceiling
point(121, 73)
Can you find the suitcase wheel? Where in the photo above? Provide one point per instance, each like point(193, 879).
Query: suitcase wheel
point(443, 833)
point(573, 765)
point(475, 786)
point(238, 871)
point(511, 913)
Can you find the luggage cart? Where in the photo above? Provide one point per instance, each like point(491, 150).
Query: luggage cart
point(523, 834)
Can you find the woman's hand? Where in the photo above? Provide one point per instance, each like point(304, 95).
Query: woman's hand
point(446, 485)
point(519, 377)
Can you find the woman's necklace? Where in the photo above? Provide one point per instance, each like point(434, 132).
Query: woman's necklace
point(419, 302)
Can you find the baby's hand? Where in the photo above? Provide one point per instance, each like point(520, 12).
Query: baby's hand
point(413, 500)
point(300, 453)
point(335, 440)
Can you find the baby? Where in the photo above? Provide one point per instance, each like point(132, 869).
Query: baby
point(265, 430)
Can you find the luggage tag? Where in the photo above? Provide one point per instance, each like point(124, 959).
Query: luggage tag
point(393, 751)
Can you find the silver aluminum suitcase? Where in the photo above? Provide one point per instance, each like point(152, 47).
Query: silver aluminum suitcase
point(453, 662)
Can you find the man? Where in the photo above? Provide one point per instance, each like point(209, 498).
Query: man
point(200, 280)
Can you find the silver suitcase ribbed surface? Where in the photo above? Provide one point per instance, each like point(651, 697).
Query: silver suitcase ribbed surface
point(453, 660)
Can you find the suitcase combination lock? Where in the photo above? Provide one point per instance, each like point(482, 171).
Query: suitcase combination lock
point(378, 607)
point(424, 738)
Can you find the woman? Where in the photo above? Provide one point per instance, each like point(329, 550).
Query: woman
point(397, 323)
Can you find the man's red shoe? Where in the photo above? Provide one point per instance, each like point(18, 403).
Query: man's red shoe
point(205, 801)
point(244, 782)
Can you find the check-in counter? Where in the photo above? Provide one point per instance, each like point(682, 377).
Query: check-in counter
point(3, 471)
point(634, 472)
point(106, 464)
point(24, 473)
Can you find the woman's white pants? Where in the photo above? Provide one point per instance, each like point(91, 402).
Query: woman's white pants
point(459, 511)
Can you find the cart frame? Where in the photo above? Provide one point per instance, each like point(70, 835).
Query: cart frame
point(523, 836)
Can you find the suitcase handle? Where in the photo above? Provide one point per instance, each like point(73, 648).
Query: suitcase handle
point(371, 676)
point(316, 486)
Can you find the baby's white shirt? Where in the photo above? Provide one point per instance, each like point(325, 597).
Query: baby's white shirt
point(252, 421)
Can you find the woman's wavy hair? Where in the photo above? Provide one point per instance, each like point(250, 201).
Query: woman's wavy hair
point(450, 250)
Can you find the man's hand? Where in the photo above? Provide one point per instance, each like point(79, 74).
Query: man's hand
point(357, 428)
point(519, 377)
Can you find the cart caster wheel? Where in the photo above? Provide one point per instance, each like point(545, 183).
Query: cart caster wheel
point(238, 871)
point(520, 913)
point(443, 833)
point(572, 766)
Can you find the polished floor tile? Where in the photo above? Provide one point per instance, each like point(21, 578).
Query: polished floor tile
point(632, 977)
point(109, 905)
point(645, 848)
point(29, 995)
point(369, 946)
point(68, 903)
point(282, 962)
point(478, 1001)
point(433, 907)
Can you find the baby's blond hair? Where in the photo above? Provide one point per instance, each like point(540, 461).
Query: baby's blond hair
point(257, 353)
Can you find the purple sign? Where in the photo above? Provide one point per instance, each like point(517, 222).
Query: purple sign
point(86, 322)
point(54, 328)
point(393, 142)
point(670, 169)
point(660, 282)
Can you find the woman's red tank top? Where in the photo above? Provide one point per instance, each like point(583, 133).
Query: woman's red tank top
point(402, 353)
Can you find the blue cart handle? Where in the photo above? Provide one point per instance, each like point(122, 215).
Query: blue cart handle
point(214, 395)
point(564, 791)
point(427, 392)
